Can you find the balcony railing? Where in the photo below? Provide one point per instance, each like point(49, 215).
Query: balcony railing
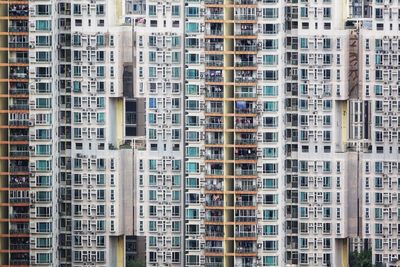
point(215, 172)
point(246, 188)
point(215, 32)
point(20, 200)
point(214, 46)
point(19, 169)
point(19, 107)
point(215, 157)
point(245, 79)
point(214, 109)
point(245, 2)
point(215, 63)
point(213, 264)
point(19, 215)
point(214, 141)
point(19, 153)
point(245, 33)
point(244, 157)
point(215, 94)
point(245, 250)
point(214, 250)
point(214, 234)
point(214, 187)
point(18, 137)
point(215, 125)
point(245, 203)
point(214, 16)
point(18, 91)
point(214, 79)
point(246, 47)
point(246, 141)
point(246, 219)
point(245, 95)
point(21, 75)
point(215, 218)
point(245, 17)
point(19, 246)
point(241, 125)
point(19, 231)
point(245, 64)
point(18, 29)
point(18, 45)
point(214, 2)
point(14, 184)
point(245, 172)
point(246, 110)
point(245, 234)
point(215, 203)
point(19, 261)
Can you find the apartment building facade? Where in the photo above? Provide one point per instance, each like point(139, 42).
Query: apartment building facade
point(64, 168)
point(287, 131)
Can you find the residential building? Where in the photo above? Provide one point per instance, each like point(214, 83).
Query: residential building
point(66, 176)
point(271, 131)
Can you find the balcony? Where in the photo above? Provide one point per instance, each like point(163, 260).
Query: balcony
point(245, 32)
point(246, 157)
point(215, 203)
point(214, 250)
point(18, 10)
point(215, 125)
point(214, 79)
point(246, 234)
point(18, 45)
point(20, 231)
point(214, 234)
point(246, 250)
point(19, 137)
point(246, 141)
point(245, 203)
point(245, 17)
point(214, 110)
point(246, 48)
point(19, 199)
point(214, 218)
point(21, 90)
point(214, 94)
point(215, 32)
point(245, 79)
point(245, 172)
point(20, 259)
point(246, 64)
point(217, 46)
point(19, 169)
point(214, 63)
point(215, 157)
point(215, 172)
point(245, 95)
point(20, 246)
point(245, 125)
point(216, 16)
point(20, 151)
point(245, 110)
point(18, 29)
point(17, 59)
point(213, 264)
point(214, 187)
point(19, 182)
point(213, 2)
point(245, 2)
point(246, 187)
point(210, 141)
point(19, 215)
point(18, 107)
point(245, 219)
